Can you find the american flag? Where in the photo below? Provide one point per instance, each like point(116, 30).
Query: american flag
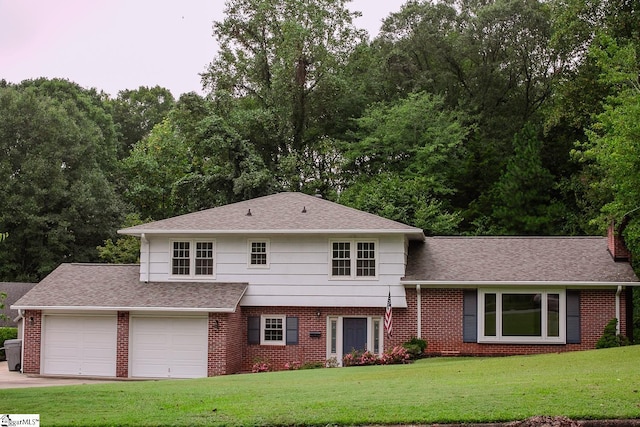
point(388, 317)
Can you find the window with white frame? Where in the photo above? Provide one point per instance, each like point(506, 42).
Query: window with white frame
point(259, 253)
point(521, 316)
point(345, 252)
point(191, 258)
point(272, 330)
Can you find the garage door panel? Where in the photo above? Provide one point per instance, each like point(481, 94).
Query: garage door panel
point(169, 347)
point(79, 345)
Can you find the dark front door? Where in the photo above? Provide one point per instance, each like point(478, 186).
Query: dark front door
point(354, 334)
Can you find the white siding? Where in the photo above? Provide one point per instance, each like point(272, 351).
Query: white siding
point(298, 272)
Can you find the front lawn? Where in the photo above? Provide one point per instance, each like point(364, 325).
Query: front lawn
point(599, 384)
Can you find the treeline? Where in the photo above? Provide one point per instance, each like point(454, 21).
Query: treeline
point(501, 117)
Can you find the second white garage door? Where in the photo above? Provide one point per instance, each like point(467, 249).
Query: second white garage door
point(168, 347)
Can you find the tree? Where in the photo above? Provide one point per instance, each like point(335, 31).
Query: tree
point(612, 153)
point(522, 199)
point(57, 203)
point(125, 249)
point(153, 167)
point(403, 162)
point(136, 112)
point(280, 62)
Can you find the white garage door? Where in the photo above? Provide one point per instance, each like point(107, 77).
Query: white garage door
point(79, 345)
point(168, 347)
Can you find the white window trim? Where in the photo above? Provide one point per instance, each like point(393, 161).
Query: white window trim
point(268, 253)
point(192, 260)
point(544, 339)
point(263, 322)
point(354, 261)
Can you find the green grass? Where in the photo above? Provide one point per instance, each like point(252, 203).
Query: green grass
point(602, 384)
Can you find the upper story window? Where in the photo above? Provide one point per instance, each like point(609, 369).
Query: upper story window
point(353, 258)
point(527, 316)
point(192, 258)
point(259, 253)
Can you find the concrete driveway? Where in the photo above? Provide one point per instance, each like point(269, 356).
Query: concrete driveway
point(12, 379)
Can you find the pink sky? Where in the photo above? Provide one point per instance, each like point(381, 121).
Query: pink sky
point(123, 44)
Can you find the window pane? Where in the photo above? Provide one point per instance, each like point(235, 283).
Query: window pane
point(490, 315)
point(521, 315)
point(204, 258)
point(258, 253)
point(553, 315)
point(273, 330)
point(341, 259)
point(366, 259)
point(334, 336)
point(180, 261)
point(376, 336)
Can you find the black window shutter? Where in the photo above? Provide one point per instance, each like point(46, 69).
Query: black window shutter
point(253, 329)
point(470, 316)
point(292, 330)
point(573, 317)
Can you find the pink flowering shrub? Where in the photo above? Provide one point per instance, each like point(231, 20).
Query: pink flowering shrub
point(396, 355)
point(292, 366)
point(261, 366)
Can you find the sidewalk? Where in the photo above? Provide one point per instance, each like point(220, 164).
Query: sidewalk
point(12, 379)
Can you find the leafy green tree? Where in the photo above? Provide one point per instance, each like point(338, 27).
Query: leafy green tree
point(403, 162)
point(522, 199)
point(153, 167)
point(136, 112)
point(125, 249)
point(613, 149)
point(3, 296)
point(279, 62)
point(57, 203)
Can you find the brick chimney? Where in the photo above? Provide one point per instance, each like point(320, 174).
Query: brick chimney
point(615, 242)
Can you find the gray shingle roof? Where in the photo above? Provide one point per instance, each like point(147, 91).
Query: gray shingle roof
point(117, 286)
point(14, 291)
point(278, 213)
point(515, 259)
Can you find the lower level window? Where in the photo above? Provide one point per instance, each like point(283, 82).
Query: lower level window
point(522, 316)
point(273, 330)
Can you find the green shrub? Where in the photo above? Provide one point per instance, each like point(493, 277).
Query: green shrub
point(610, 338)
point(415, 347)
point(7, 334)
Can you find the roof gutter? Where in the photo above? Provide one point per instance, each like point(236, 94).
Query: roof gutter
point(414, 233)
point(536, 283)
point(95, 308)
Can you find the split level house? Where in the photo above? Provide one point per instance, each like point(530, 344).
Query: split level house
point(295, 278)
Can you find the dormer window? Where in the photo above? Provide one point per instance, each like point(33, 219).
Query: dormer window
point(191, 258)
point(353, 258)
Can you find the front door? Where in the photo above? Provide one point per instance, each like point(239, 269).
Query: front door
point(354, 334)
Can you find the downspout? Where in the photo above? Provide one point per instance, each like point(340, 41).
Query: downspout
point(143, 239)
point(23, 320)
point(419, 311)
point(618, 292)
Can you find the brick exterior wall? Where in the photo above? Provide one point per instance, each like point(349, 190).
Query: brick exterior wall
point(308, 349)
point(122, 345)
point(31, 343)
point(442, 324)
point(235, 342)
point(441, 320)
